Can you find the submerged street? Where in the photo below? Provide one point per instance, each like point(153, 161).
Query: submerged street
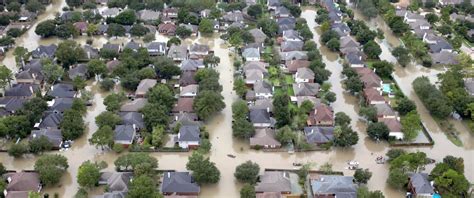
point(220, 127)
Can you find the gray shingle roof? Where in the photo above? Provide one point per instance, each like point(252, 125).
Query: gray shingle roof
point(318, 134)
point(274, 181)
point(51, 120)
point(262, 87)
point(420, 182)
point(287, 46)
point(116, 181)
point(306, 89)
point(132, 118)
point(251, 53)
point(62, 90)
point(191, 65)
point(179, 182)
point(22, 90)
point(54, 135)
point(61, 104)
point(12, 104)
point(259, 116)
point(43, 51)
point(124, 133)
point(334, 184)
point(189, 133)
point(80, 70)
point(258, 35)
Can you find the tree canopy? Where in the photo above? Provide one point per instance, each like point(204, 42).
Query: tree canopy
point(203, 170)
point(51, 168)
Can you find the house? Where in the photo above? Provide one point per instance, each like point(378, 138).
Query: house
point(394, 126)
point(10, 105)
point(251, 54)
point(124, 134)
point(256, 65)
point(148, 15)
point(111, 65)
point(182, 119)
point(117, 182)
point(273, 4)
point(171, 13)
point(304, 75)
point(469, 84)
point(62, 90)
point(134, 105)
point(263, 89)
point(81, 27)
point(179, 184)
point(258, 35)
point(335, 16)
point(287, 23)
point(293, 65)
point(354, 59)
point(411, 17)
point(288, 46)
point(291, 35)
point(306, 89)
point(102, 29)
point(189, 91)
point(189, 136)
point(19, 184)
point(333, 186)
point(348, 42)
point(192, 28)
point(235, 16)
point(110, 12)
point(341, 28)
point(184, 105)
point(260, 118)
point(444, 58)
point(178, 52)
point(134, 46)
point(156, 48)
point(91, 52)
point(385, 111)
point(368, 77)
point(440, 46)
point(321, 115)
point(312, 99)
point(198, 51)
point(420, 24)
point(35, 67)
point(280, 183)
point(114, 48)
point(54, 136)
point(420, 186)
point(293, 55)
point(205, 13)
point(318, 135)
point(264, 138)
point(265, 104)
point(22, 90)
point(250, 95)
point(144, 86)
point(187, 78)
point(132, 118)
point(373, 96)
point(167, 29)
point(59, 105)
point(450, 2)
point(44, 51)
point(27, 77)
point(78, 71)
point(191, 65)
point(252, 76)
point(51, 120)
point(282, 12)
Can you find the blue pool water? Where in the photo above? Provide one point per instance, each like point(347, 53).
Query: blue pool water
point(436, 196)
point(386, 88)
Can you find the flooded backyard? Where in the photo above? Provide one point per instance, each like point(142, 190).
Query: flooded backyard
point(221, 132)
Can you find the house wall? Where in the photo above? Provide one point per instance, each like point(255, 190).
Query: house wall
point(397, 135)
point(188, 144)
point(261, 125)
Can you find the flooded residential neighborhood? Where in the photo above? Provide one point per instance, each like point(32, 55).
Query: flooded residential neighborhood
point(228, 151)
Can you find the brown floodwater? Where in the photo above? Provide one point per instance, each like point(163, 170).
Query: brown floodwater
point(221, 132)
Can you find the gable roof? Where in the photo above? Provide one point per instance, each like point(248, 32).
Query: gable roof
point(187, 78)
point(373, 95)
point(293, 55)
point(306, 89)
point(262, 87)
point(51, 120)
point(185, 119)
point(62, 90)
point(12, 104)
point(304, 73)
point(44, 51)
point(54, 135)
point(189, 133)
point(61, 104)
point(178, 51)
point(287, 46)
point(293, 65)
point(184, 105)
point(319, 135)
point(148, 15)
point(263, 103)
point(134, 105)
point(392, 123)
point(384, 110)
point(116, 181)
point(189, 89)
point(124, 133)
point(368, 77)
point(132, 118)
point(22, 90)
point(80, 70)
point(420, 183)
point(251, 53)
point(250, 65)
point(291, 34)
point(144, 86)
point(348, 41)
point(179, 182)
point(23, 181)
point(191, 65)
point(258, 35)
point(263, 137)
point(259, 116)
point(253, 75)
point(321, 113)
point(341, 186)
point(274, 181)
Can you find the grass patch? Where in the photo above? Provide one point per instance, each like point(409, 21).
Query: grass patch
point(289, 79)
point(450, 131)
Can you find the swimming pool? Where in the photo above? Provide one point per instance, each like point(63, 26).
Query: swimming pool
point(436, 195)
point(387, 88)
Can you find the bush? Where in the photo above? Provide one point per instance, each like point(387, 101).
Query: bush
point(18, 150)
point(118, 148)
point(107, 84)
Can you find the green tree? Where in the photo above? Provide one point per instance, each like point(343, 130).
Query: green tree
point(126, 17)
point(372, 50)
point(166, 68)
point(21, 54)
point(405, 106)
point(72, 125)
point(362, 175)
point(452, 184)
point(130, 161)
point(368, 9)
point(455, 163)
point(354, 84)
point(52, 72)
point(206, 27)
point(96, 67)
point(157, 136)
point(242, 128)
point(14, 6)
point(16, 126)
point(363, 191)
point(74, 3)
point(51, 168)
point(183, 32)
point(397, 178)
point(411, 125)
point(247, 191)
point(285, 135)
point(333, 44)
point(78, 83)
point(207, 103)
point(269, 26)
point(107, 118)
point(39, 145)
point(143, 187)
point(6, 76)
point(281, 109)
point(370, 113)
point(14, 32)
point(103, 137)
point(162, 95)
point(155, 114)
point(66, 30)
point(18, 150)
point(173, 41)
point(139, 30)
point(46, 28)
point(378, 131)
point(113, 102)
point(395, 153)
point(344, 136)
point(81, 193)
point(203, 170)
point(115, 30)
point(88, 174)
point(239, 87)
point(342, 119)
point(69, 52)
point(383, 68)
point(247, 172)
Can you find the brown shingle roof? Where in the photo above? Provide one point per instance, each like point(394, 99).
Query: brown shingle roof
point(184, 105)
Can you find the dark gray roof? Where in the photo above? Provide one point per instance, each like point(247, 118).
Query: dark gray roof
point(420, 183)
point(22, 90)
point(51, 120)
point(124, 133)
point(62, 90)
point(306, 89)
point(440, 45)
point(354, 58)
point(116, 181)
point(444, 58)
point(102, 28)
point(274, 181)
point(191, 65)
point(111, 47)
point(91, 52)
point(54, 135)
point(61, 104)
point(43, 51)
point(259, 116)
point(132, 45)
point(282, 10)
point(286, 24)
point(335, 184)
point(34, 65)
point(292, 46)
point(12, 104)
point(262, 87)
point(132, 118)
point(319, 134)
point(258, 35)
point(185, 119)
point(274, 3)
point(179, 182)
point(80, 70)
point(189, 133)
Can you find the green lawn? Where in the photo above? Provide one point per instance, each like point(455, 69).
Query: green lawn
point(289, 79)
